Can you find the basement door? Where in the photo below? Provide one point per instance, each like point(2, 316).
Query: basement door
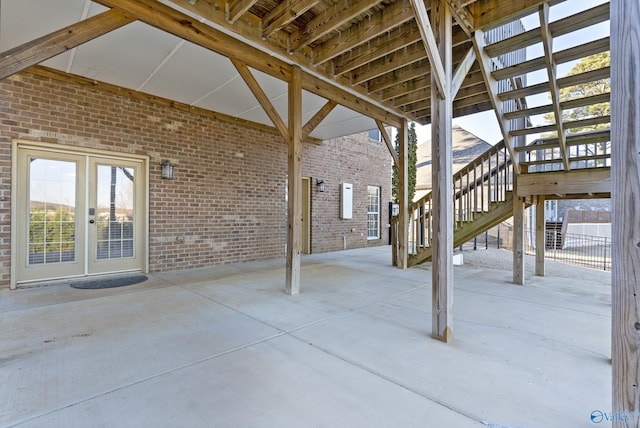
point(78, 214)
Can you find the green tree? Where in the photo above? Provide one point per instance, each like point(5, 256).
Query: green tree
point(588, 89)
point(412, 146)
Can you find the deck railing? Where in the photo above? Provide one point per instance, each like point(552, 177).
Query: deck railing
point(485, 182)
point(477, 187)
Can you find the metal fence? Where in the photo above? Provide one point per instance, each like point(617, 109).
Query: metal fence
point(592, 252)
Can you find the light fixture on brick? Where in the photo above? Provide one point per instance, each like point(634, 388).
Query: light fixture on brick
point(320, 185)
point(167, 169)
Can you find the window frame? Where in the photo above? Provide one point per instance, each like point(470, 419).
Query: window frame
point(378, 213)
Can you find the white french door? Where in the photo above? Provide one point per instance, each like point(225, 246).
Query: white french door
point(78, 214)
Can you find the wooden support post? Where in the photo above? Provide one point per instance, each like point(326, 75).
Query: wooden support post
point(625, 175)
point(518, 239)
point(403, 190)
point(540, 235)
point(442, 172)
point(294, 218)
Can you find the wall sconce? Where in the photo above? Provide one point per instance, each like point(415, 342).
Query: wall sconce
point(320, 185)
point(167, 169)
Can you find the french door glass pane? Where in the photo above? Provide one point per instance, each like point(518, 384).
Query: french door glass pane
point(52, 211)
point(115, 212)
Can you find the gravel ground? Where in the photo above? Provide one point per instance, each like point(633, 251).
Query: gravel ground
point(558, 276)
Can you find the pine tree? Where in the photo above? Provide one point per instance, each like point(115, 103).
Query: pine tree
point(412, 147)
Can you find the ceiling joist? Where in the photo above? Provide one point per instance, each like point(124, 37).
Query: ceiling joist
point(327, 22)
point(284, 14)
point(376, 25)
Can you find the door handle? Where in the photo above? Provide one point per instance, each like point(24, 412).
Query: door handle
point(92, 221)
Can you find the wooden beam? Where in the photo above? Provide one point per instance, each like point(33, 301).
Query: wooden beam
point(294, 217)
point(398, 76)
point(327, 90)
point(327, 22)
point(441, 173)
point(36, 51)
point(461, 15)
point(625, 167)
point(547, 43)
point(595, 180)
point(492, 89)
point(398, 39)
point(387, 141)
point(461, 71)
point(398, 59)
point(237, 8)
point(262, 98)
point(415, 75)
point(437, 68)
point(388, 18)
point(491, 13)
point(540, 235)
point(284, 14)
point(318, 118)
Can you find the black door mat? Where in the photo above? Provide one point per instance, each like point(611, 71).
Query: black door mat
point(121, 281)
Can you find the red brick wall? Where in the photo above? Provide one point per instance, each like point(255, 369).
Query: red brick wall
point(227, 201)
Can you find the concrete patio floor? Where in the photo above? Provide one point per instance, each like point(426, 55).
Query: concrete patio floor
point(225, 347)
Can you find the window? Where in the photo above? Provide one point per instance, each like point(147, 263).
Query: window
point(373, 212)
point(375, 135)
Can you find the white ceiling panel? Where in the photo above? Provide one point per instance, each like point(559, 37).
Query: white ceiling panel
point(126, 56)
point(281, 104)
point(232, 98)
point(59, 62)
point(24, 20)
point(143, 58)
point(190, 74)
point(343, 121)
point(311, 103)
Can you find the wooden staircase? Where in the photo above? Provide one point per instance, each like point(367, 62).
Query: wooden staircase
point(483, 189)
point(483, 198)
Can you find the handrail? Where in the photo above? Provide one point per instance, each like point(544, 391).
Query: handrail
point(484, 180)
point(488, 179)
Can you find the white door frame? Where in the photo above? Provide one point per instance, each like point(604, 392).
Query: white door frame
point(18, 144)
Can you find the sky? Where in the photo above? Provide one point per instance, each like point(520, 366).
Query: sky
point(485, 125)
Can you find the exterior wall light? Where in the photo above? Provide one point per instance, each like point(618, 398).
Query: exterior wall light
point(167, 169)
point(320, 185)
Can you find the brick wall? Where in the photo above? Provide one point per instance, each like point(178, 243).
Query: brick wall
point(227, 201)
point(356, 160)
